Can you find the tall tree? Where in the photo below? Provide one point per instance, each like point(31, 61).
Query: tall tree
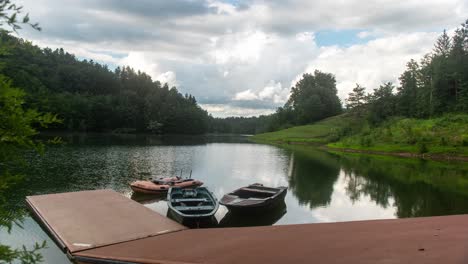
point(382, 103)
point(408, 90)
point(357, 100)
point(314, 97)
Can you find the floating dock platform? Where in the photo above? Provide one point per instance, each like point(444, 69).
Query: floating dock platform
point(105, 227)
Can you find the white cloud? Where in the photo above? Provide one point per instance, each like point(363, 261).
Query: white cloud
point(223, 110)
point(364, 34)
point(246, 95)
point(370, 64)
point(273, 92)
point(141, 61)
point(305, 36)
point(168, 77)
point(244, 47)
point(227, 52)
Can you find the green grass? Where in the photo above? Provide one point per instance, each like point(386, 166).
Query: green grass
point(319, 132)
point(443, 135)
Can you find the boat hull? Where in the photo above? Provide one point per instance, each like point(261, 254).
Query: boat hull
point(148, 187)
point(192, 207)
point(260, 207)
point(193, 222)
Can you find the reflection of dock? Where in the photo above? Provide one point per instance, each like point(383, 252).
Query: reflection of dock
point(105, 227)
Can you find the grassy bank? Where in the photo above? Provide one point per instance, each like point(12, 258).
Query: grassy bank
point(322, 132)
point(442, 136)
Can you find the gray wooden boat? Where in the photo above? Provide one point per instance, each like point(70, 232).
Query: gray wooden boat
point(188, 205)
point(254, 197)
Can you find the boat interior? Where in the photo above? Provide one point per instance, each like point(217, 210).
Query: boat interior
point(255, 191)
point(192, 201)
point(162, 182)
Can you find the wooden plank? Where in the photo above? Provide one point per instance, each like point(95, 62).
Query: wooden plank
point(428, 240)
point(89, 219)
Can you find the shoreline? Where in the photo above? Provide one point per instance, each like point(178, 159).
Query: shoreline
point(402, 154)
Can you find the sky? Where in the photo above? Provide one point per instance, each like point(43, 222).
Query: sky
point(241, 57)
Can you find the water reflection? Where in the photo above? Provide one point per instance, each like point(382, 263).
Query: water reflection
point(323, 187)
point(312, 179)
point(233, 219)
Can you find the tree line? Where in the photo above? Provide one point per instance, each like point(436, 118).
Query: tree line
point(87, 96)
point(436, 85)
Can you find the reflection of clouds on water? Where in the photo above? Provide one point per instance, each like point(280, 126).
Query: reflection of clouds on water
point(30, 234)
point(343, 208)
point(323, 187)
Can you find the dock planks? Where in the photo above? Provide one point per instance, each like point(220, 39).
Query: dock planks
point(416, 240)
point(89, 219)
point(413, 240)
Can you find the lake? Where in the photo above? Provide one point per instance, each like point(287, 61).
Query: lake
point(322, 186)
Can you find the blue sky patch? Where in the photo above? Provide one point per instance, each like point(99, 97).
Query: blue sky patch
point(344, 38)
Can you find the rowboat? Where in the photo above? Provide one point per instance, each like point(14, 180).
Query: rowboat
point(191, 205)
point(254, 197)
point(162, 187)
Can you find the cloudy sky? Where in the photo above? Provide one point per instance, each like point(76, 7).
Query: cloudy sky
point(241, 57)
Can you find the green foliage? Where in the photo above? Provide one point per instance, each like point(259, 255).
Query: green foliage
point(438, 135)
point(241, 125)
point(11, 15)
point(327, 130)
point(313, 98)
point(89, 97)
point(23, 255)
point(17, 131)
point(357, 99)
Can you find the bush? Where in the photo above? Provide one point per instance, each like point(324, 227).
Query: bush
point(366, 141)
point(422, 148)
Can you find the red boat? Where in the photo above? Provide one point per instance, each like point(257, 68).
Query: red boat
point(161, 186)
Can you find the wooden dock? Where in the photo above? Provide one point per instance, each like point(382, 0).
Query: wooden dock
point(106, 227)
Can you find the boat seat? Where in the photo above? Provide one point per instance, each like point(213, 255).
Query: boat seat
point(257, 190)
point(193, 208)
point(189, 200)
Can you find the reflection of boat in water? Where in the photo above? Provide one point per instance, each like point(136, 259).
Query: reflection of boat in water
point(188, 206)
point(254, 197)
point(264, 218)
point(148, 198)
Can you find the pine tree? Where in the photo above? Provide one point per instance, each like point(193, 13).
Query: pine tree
point(357, 100)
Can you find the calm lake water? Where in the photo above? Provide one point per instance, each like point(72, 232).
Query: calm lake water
point(322, 186)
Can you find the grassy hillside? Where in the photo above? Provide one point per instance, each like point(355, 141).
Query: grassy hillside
point(446, 135)
point(323, 131)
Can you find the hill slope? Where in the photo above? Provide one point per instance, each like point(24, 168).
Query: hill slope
point(446, 135)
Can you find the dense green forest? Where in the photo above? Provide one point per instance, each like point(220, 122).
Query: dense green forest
point(88, 96)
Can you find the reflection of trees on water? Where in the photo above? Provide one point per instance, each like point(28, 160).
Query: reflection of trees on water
point(312, 179)
point(417, 188)
point(414, 187)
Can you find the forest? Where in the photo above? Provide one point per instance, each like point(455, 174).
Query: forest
point(87, 96)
